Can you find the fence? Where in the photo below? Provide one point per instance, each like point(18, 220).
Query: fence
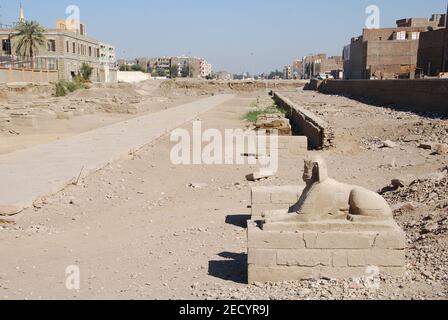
point(36, 64)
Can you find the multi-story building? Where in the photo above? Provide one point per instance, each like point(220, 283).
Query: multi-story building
point(68, 48)
point(387, 53)
point(205, 69)
point(108, 62)
point(320, 63)
point(107, 54)
point(223, 75)
point(287, 72)
point(195, 67)
point(432, 58)
point(297, 69)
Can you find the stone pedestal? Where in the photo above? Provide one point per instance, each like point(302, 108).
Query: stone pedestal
point(339, 249)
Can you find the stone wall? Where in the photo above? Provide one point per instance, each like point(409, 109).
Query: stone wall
point(132, 76)
point(18, 75)
point(429, 95)
point(318, 252)
point(274, 198)
point(320, 135)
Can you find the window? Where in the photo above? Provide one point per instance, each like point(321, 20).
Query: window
point(401, 35)
point(74, 47)
point(90, 51)
point(6, 46)
point(51, 45)
point(68, 46)
point(415, 35)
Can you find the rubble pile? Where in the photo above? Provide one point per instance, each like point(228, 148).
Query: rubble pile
point(270, 122)
point(431, 190)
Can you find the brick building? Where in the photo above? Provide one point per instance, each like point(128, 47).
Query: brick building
point(387, 53)
point(433, 51)
point(320, 63)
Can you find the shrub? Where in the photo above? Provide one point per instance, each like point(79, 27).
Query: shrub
point(260, 110)
point(63, 87)
point(61, 91)
point(86, 71)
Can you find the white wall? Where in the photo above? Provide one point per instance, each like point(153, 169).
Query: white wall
point(132, 76)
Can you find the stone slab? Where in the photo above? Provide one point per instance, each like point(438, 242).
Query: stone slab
point(29, 174)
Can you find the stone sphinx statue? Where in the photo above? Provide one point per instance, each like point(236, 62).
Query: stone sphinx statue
point(327, 199)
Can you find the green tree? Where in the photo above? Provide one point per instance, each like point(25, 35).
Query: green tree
point(30, 39)
point(86, 71)
point(187, 70)
point(174, 71)
point(162, 72)
point(137, 67)
point(275, 74)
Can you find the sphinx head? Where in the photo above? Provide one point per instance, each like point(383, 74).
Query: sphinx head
point(315, 170)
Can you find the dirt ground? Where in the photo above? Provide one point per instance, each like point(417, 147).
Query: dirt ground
point(82, 110)
point(138, 230)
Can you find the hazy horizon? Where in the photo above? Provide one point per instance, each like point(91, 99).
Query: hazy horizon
point(237, 36)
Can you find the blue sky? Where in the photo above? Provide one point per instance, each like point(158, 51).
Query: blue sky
point(234, 35)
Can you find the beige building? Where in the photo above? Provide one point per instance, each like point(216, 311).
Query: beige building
point(67, 48)
point(108, 63)
point(206, 69)
point(287, 72)
point(196, 67)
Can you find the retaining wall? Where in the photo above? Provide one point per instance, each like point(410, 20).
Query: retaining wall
point(24, 75)
point(320, 135)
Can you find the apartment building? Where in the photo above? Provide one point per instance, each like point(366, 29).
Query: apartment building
point(287, 72)
point(387, 53)
point(223, 75)
point(432, 57)
point(108, 63)
point(316, 64)
point(297, 69)
point(195, 67)
point(68, 47)
point(205, 69)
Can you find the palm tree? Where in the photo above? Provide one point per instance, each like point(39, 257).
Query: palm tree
point(30, 39)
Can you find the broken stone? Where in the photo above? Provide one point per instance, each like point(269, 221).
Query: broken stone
point(402, 182)
point(262, 174)
point(389, 144)
point(198, 185)
point(430, 228)
point(426, 146)
point(440, 148)
point(412, 138)
point(269, 122)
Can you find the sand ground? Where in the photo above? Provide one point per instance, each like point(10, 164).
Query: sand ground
point(137, 230)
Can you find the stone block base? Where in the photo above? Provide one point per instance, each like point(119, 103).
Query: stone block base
point(275, 255)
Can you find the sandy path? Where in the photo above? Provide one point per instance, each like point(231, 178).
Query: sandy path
point(45, 169)
point(135, 229)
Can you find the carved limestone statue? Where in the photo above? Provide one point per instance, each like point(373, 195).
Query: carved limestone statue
point(327, 199)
